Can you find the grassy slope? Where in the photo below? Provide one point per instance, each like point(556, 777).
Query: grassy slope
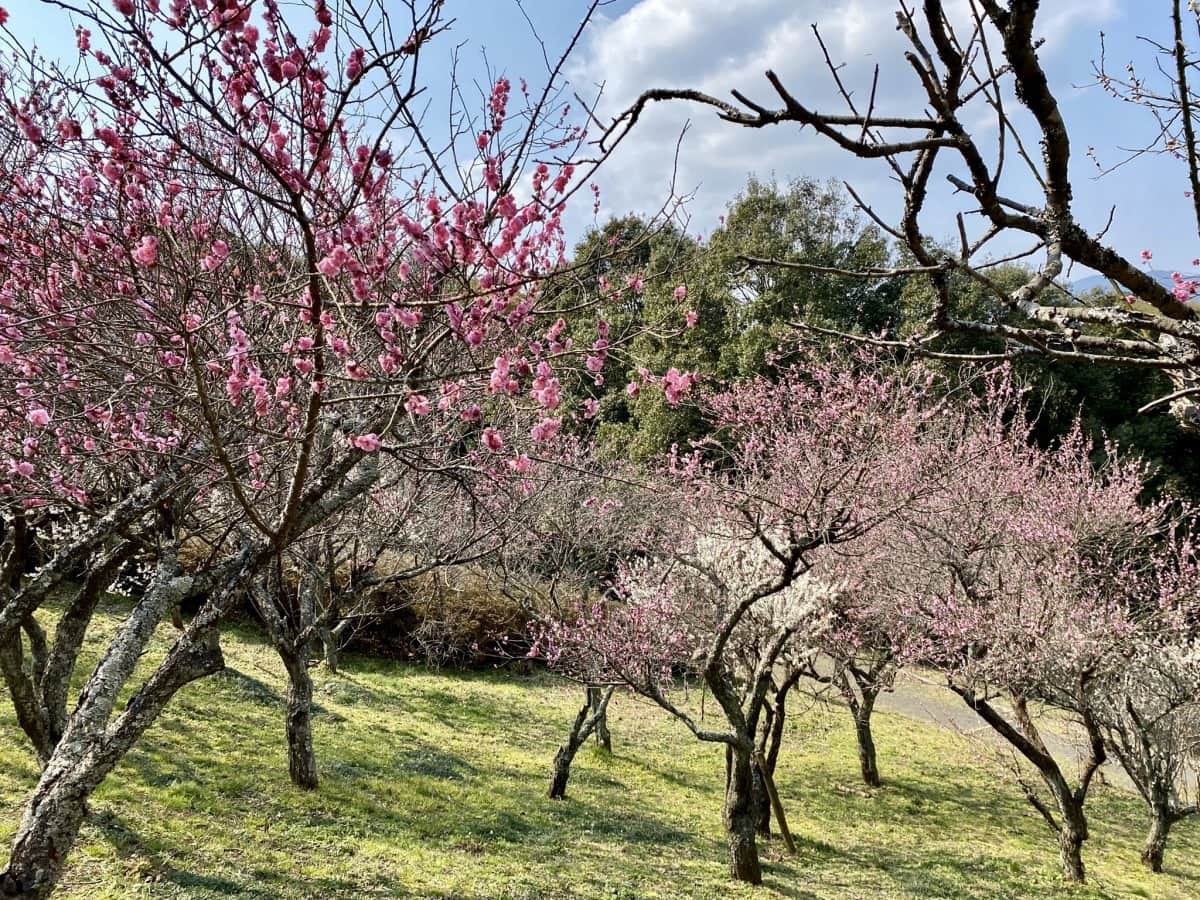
point(433, 786)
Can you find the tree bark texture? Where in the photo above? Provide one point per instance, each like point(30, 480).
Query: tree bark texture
point(741, 815)
point(302, 757)
point(93, 744)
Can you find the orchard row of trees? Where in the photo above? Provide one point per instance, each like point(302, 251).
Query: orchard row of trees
point(851, 516)
point(269, 342)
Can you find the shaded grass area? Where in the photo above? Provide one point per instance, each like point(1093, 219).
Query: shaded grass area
point(433, 785)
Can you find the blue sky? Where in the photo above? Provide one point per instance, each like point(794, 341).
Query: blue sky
point(721, 44)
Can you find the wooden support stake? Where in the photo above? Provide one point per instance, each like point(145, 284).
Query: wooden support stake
point(776, 805)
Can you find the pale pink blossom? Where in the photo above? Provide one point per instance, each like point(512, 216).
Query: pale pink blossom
point(368, 443)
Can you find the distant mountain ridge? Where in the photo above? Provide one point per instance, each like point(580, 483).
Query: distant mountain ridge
point(1092, 282)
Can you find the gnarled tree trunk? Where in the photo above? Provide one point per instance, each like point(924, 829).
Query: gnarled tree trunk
point(1156, 841)
point(866, 746)
point(290, 623)
point(69, 635)
point(1067, 819)
point(1071, 823)
point(1070, 845)
point(741, 815)
point(90, 747)
point(302, 757)
point(38, 682)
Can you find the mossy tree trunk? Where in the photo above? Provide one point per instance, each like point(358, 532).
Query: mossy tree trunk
point(92, 746)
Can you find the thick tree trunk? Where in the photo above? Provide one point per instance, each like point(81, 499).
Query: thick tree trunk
point(302, 757)
point(866, 747)
point(93, 743)
point(1156, 840)
point(285, 621)
point(741, 816)
point(600, 714)
point(49, 827)
point(1071, 824)
point(39, 685)
point(1070, 844)
point(561, 771)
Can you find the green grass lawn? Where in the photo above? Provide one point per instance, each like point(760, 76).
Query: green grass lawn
point(433, 785)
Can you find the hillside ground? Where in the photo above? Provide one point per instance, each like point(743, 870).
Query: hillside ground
point(433, 785)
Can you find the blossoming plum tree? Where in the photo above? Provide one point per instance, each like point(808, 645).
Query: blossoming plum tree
point(1148, 708)
point(811, 460)
point(236, 269)
point(1026, 582)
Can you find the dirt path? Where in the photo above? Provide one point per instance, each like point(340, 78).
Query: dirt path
point(919, 696)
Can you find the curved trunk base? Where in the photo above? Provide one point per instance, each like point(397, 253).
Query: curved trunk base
point(1070, 845)
point(1156, 843)
point(561, 772)
point(743, 857)
point(302, 757)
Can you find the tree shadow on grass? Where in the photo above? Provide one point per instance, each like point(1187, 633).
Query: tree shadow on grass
point(418, 759)
point(666, 774)
point(156, 866)
point(129, 845)
point(256, 691)
point(621, 826)
point(952, 811)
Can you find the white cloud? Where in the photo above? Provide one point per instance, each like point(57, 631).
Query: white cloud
point(719, 45)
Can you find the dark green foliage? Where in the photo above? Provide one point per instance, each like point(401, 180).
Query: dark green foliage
point(748, 312)
point(744, 311)
point(1104, 397)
